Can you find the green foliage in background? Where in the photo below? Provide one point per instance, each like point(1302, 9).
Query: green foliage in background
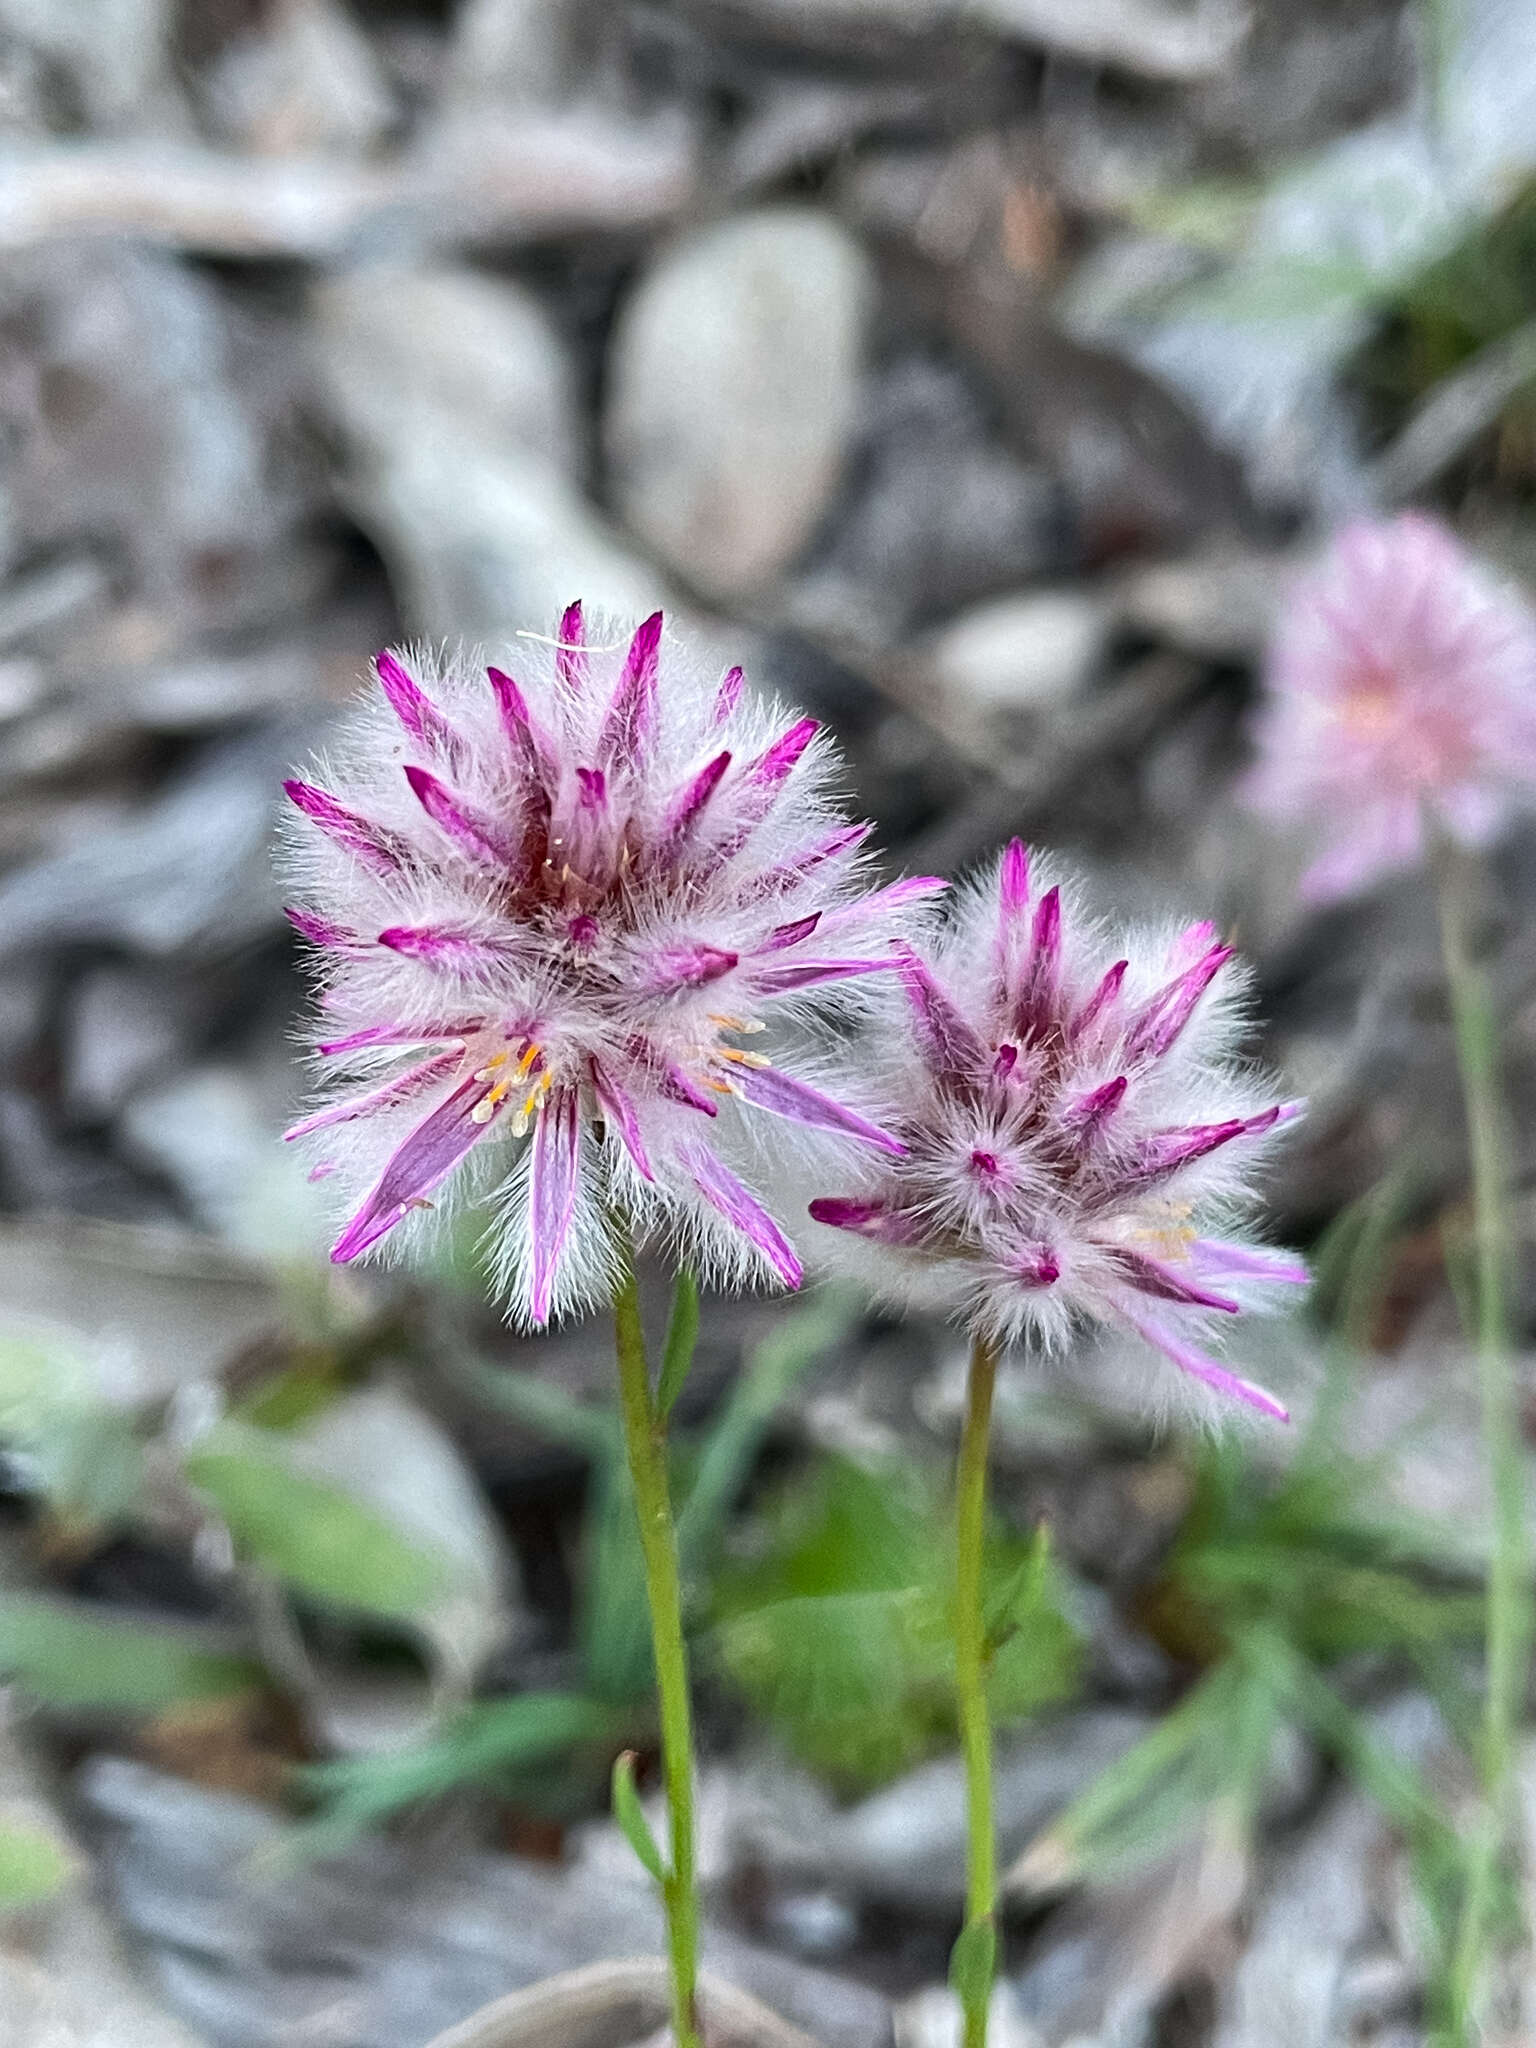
point(839, 1632)
point(312, 1535)
point(552, 1750)
point(67, 1655)
point(1282, 1589)
point(34, 1863)
point(99, 1467)
point(1477, 293)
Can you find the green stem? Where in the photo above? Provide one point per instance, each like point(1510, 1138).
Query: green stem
point(1508, 1640)
point(973, 1979)
point(645, 1441)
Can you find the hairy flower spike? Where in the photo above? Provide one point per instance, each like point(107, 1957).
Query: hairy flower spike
point(1076, 1137)
point(1402, 683)
point(546, 907)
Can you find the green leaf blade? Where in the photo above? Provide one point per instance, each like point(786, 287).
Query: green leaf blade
point(630, 1815)
point(66, 1655)
point(682, 1341)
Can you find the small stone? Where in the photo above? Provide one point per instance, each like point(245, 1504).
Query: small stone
point(415, 351)
point(1218, 605)
point(509, 51)
point(307, 80)
point(734, 387)
point(817, 1924)
point(456, 407)
point(905, 1845)
point(1005, 668)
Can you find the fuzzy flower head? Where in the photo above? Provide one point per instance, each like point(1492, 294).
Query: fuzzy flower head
point(1078, 1137)
point(1402, 684)
point(552, 915)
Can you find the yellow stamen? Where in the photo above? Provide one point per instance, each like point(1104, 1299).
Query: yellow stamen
point(528, 1058)
point(743, 1059)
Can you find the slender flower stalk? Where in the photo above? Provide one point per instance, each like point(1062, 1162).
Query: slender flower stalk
point(974, 1983)
point(553, 917)
point(645, 1443)
point(1400, 724)
point(1076, 1141)
point(1508, 1624)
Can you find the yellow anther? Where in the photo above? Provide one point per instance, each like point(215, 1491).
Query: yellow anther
point(528, 1058)
point(720, 1085)
point(1173, 1238)
point(735, 1054)
point(726, 1023)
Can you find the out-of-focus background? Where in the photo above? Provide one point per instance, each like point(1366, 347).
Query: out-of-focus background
point(975, 371)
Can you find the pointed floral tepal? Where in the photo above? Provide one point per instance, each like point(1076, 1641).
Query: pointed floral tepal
point(549, 902)
point(1073, 1137)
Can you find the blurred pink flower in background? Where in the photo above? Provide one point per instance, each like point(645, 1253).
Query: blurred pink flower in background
point(546, 913)
point(1079, 1140)
point(1402, 684)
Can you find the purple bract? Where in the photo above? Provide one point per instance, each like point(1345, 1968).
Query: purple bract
point(1077, 1137)
point(551, 913)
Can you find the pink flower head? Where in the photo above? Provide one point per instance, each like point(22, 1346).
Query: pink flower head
point(1402, 683)
point(1077, 1136)
point(551, 913)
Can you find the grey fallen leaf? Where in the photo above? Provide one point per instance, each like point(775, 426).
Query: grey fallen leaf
point(115, 55)
point(189, 871)
point(1143, 36)
point(1219, 604)
point(157, 457)
point(733, 384)
point(122, 1029)
point(214, 1131)
point(905, 1844)
point(404, 1939)
point(406, 351)
point(467, 182)
point(1111, 1954)
point(64, 1979)
point(305, 79)
point(380, 1448)
point(51, 596)
point(1316, 1909)
point(152, 1309)
point(510, 51)
point(459, 441)
point(614, 2005)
